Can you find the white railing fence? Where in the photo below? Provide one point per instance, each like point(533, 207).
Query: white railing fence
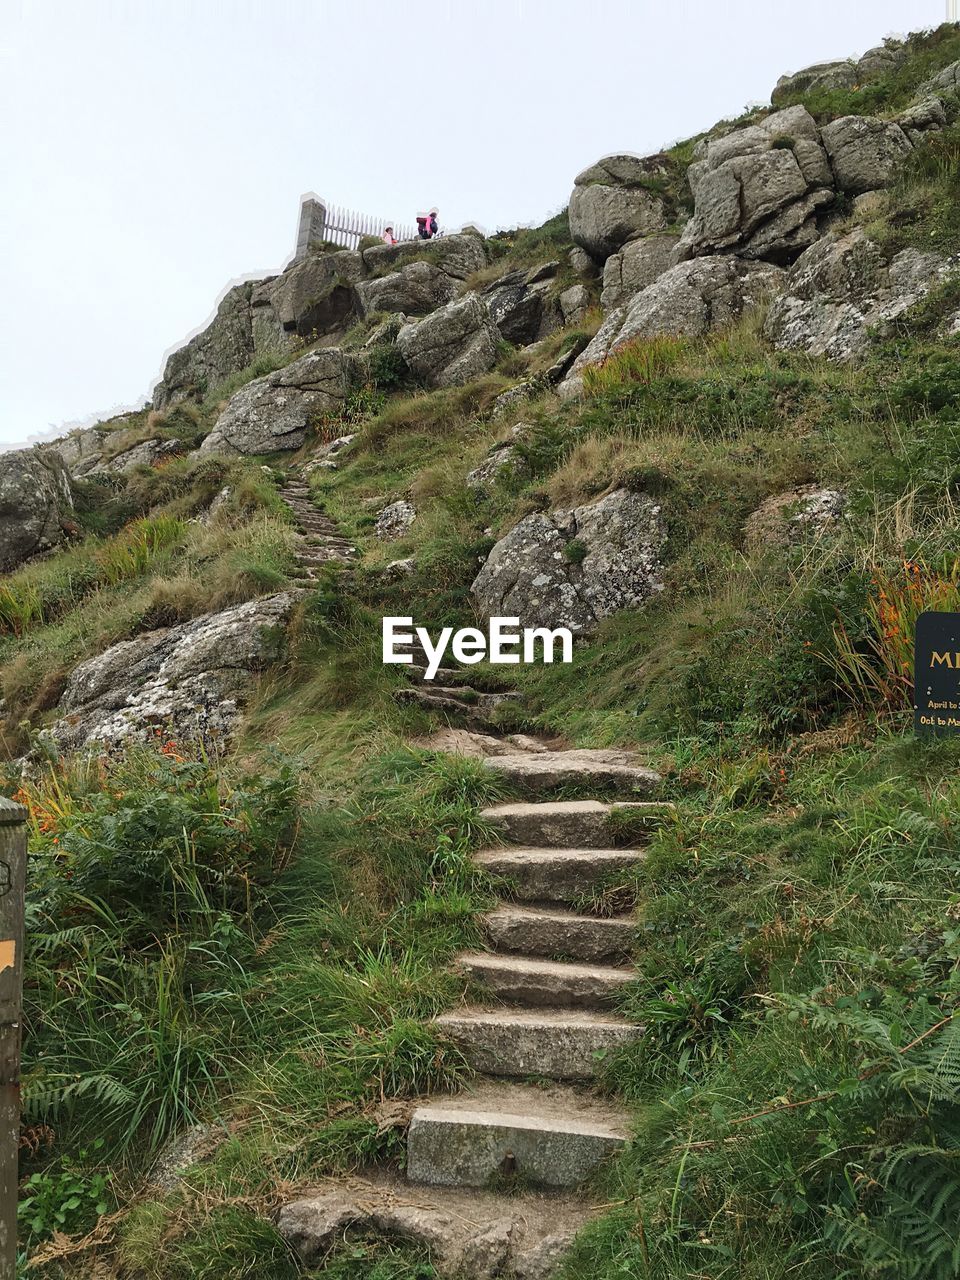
point(320, 222)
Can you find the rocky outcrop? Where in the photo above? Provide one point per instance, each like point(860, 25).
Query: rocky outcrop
point(945, 81)
point(844, 73)
point(395, 520)
point(191, 680)
point(276, 412)
point(148, 453)
point(635, 267)
point(572, 568)
point(92, 449)
point(323, 459)
point(574, 303)
point(924, 117)
point(503, 458)
point(453, 345)
point(81, 450)
point(457, 256)
point(522, 306)
point(415, 289)
point(881, 60)
point(315, 297)
point(615, 200)
point(36, 504)
point(688, 300)
point(865, 153)
point(842, 288)
point(788, 518)
point(839, 74)
point(757, 190)
point(224, 347)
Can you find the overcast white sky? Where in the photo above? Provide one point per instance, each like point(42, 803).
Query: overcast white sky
point(154, 150)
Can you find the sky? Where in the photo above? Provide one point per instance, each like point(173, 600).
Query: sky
point(153, 151)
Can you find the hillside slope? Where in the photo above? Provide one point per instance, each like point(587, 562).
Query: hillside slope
point(708, 418)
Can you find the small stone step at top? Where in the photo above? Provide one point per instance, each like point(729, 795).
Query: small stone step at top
point(548, 1137)
point(571, 824)
point(555, 875)
point(545, 771)
point(538, 931)
point(543, 983)
point(554, 1044)
point(462, 701)
point(442, 676)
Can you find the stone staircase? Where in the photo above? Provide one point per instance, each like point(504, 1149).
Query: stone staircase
point(319, 541)
point(549, 985)
point(494, 1174)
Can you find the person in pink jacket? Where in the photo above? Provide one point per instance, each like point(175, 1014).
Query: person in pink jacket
point(427, 225)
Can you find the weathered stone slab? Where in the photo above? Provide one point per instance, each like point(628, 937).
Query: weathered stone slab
point(549, 1137)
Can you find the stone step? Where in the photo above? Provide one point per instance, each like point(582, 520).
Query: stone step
point(555, 875)
point(555, 1044)
point(462, 701)
point(570, 824)
point(316, 555)
point(543, 983)
point(548, 1137)
point(539, 931)
point(548, 770)
point(443, 676)
point(469, 1232)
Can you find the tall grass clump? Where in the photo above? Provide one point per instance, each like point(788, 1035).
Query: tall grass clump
point(874, 670)
point(133, 551)
point(638, 362)
point(20, 607)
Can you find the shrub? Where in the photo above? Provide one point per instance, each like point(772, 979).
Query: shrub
point(146, 876)
point(387, 368)
point(157, 836)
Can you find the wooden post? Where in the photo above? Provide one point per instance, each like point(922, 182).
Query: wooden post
point(13, 870)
